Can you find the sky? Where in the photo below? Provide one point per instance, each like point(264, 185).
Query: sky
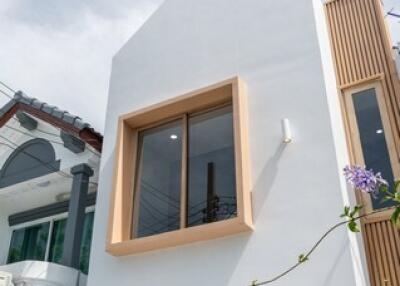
point(60, 51)
point(394, 23)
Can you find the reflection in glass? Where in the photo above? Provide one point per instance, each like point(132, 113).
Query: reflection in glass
point(211, 177)
point(372, 137)
point(29, 243)
point(158, 187)
point(57, 241)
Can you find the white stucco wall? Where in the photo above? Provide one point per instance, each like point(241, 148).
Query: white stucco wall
point(297, 191)
point(4, 235)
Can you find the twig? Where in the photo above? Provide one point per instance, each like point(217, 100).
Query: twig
point(315, 246)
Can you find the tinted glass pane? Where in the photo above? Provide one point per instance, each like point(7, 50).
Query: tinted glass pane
point(57, 241)
point(29, 243)
point(211, 180)
point(159, 175)
point(86, 242)
point(373, 142)
point(16, 247)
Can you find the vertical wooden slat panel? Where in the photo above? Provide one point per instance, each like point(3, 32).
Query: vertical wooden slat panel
point(397, 240)
point(362, 52)
point(370, 255)
point(334, 43)
point(342, 41)
point(374, 43)
point(382, 249)
point(394, 252)
point(355, 51)
point(388, 253)
point(378, 257)
point(366, 39)
point(382, 245)
point(344, 22)
point(360, 44)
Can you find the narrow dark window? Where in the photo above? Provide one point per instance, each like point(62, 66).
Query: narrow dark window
point(158, 187)
point(29, 243)
point(211, 171)
point(373, 141)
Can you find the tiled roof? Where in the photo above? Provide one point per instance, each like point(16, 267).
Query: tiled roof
point(54, 111)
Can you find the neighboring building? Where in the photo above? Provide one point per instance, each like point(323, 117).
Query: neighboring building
point(46, 158)
point(196, 184)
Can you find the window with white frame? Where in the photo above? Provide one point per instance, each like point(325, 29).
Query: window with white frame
point(44, 240)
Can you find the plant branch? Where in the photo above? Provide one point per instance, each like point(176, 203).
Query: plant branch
point(314, 247)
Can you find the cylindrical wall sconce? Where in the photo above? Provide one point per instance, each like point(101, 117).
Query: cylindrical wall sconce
point(287, 133)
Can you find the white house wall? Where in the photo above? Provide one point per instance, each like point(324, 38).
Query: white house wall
point(297, 191)
point(4, 235)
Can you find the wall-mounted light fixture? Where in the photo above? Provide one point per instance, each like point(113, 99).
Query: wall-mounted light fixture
point(287, 133)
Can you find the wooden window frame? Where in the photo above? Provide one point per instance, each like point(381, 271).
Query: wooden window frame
point(119, 240)
point(356, 153)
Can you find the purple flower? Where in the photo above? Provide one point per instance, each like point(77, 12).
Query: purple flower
point(364, 180)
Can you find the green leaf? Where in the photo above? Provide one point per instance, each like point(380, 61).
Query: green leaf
point(396, 185)
point(254, 283)
point(386, 198)
point(395, 216)
point(302, 258)
point(356, 210)
point(383, 189)
point(396, 197)
point(345, 211)
point(353, 227)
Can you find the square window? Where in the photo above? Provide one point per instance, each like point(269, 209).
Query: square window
point(181, 171)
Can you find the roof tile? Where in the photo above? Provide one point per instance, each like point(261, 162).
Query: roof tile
point(20, 97)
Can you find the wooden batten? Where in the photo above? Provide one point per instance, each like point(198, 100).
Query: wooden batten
point(362, 51)
point(362, 58)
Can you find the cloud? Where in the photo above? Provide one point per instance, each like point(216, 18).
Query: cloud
point(393, 22)
point(61, 51)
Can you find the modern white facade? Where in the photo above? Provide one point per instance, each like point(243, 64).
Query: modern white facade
point(280, 50)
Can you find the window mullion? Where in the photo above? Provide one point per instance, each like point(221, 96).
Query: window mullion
point(184, 173)
point(48, 243)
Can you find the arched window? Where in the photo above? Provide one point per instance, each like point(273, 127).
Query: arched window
point(32, 159)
